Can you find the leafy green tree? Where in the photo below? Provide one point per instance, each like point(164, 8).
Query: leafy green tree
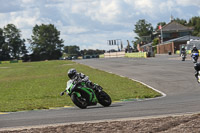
point(4, 50)
point(195, 22)
point(143, 28)
point(2, 38)
point(92, 52)
point(13, 42)
point(181, 21)
point(154, 43)
point(97, 51)
point(72, 50)
point(137, 40)
point(46, 43)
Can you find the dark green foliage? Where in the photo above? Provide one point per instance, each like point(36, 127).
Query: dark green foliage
point(143, 28)
point(195, 22)
point(46, 43)
point(92, 52)
point(4, 50)
point(72, 50)
point(181, 21)
point(11, 44)
point(155, 42)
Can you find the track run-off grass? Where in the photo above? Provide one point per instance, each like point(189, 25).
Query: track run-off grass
point(37, 85)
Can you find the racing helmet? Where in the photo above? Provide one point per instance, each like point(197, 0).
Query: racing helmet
point(72, 73)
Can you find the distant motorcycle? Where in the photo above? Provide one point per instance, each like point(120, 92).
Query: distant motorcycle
point(183, 56)
point(78, 91)
point(195, 57)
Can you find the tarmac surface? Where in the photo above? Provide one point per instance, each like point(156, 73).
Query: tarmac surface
point(166, 73)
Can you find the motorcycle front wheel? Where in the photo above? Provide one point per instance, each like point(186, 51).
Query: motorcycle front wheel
point(79, 101)
point(104, 99)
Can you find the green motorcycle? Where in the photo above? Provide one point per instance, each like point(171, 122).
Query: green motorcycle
point(83, 96)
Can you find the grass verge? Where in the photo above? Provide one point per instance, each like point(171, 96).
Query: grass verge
point(37, 85)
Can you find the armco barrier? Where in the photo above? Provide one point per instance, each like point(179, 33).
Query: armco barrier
point(137, 54)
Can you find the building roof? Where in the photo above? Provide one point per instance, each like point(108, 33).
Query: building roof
point(173, 26)
point(182, 39)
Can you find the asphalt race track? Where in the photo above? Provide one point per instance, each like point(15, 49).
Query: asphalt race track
point(166, 73)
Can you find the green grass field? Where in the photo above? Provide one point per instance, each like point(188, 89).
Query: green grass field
point(37, 85)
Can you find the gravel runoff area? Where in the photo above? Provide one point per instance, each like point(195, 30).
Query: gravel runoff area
point(188, 123)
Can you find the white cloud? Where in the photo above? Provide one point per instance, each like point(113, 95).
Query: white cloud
point(167, 6)
point(146, 7)
point(188, 2)
point(90, 23)
point(27, 1)
point(75, 29)
point(24, 19)
point(102, 10)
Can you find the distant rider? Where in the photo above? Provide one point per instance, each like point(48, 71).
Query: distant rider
point(183, 50)
point(80, 77)
point(195, 50)
point(197, 69)
point(195, 54)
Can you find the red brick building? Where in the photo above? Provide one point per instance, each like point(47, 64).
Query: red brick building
point(173, 35)
point(174, 44)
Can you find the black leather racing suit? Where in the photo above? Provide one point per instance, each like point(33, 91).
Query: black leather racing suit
point(195, 50)
point(84, 78)
point(197, 69)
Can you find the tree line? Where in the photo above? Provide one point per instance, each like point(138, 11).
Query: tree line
point(74, 50)
point(45, 44)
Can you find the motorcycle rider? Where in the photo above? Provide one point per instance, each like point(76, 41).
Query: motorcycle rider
point(197, 69)
point(183, 51)
point(195, 54)
point(195, 50)
point(80, 77)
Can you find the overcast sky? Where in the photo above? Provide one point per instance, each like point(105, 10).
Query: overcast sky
point(90, 23)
